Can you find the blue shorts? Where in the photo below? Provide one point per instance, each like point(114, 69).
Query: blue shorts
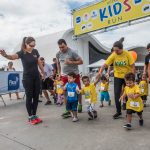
point(104, 96)
point(72, 105)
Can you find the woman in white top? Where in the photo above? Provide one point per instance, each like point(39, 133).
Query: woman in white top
point(11, 68)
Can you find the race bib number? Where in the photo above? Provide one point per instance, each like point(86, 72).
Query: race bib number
point(134, 104)
point(102, 88)
point(71, 94)
point(58, 86)
point(142, 90)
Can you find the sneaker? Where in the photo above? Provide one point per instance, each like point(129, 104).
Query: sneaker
point(67, 116)
point(128, 126)
point(79, 108)
point(38, 119)
point(75, 119)
point(32, 121)
point(109, 103)
point(66, 113)
point(48, 103)
point(117, 115)
point(95, 114)
point(91, 116)
point(141, 122)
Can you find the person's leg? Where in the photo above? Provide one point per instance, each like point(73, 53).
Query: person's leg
point(101, 99)
point(17, 95)
point(36, 93)
point(107, 98)
point(141, 121)
point(28, 86)
point(58, 99)
point(64, 79)
point(47, 97)
point(129, 119)
point(10, 96)
point(77, 81)
point(117, 91)
point(74, 110)
point(68, 109)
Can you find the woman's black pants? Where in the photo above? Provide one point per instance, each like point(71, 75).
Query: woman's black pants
point(32, 91)
point(118, 83)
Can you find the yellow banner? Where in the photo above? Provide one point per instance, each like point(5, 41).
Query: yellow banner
point(109, 13)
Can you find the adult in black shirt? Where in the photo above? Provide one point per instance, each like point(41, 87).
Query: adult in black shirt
point(31, 80)
point(147, 63)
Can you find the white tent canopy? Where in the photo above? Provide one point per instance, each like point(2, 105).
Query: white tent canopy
point(102, 61)
point(97, 64)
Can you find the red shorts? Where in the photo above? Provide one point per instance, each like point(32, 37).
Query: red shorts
point(64, 79)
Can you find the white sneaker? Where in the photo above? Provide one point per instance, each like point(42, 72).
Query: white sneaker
point(75, 119)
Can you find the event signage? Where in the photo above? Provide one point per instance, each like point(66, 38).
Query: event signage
point(108, 13)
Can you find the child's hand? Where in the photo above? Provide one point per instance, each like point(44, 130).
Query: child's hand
point(121, 98)
point(131, 96)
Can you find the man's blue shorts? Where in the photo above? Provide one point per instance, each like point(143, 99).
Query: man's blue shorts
point(72, 105)
point(104, 96)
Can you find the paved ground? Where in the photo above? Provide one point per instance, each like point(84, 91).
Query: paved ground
point(56, 133)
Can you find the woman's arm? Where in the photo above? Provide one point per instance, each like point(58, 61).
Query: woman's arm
point(101, 71)
point(10, 57)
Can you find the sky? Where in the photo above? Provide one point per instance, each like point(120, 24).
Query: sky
point(19, 18)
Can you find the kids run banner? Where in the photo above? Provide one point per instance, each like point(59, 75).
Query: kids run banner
point(10, 82)
point(108, 13)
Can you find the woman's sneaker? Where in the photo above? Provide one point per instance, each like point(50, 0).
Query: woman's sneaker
point(117, 115)
point(128, 126)
point(32, 120)
point(38, 119)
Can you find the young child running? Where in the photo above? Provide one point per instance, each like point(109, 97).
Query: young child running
point(104, 95)
point(89, 90)
point(134, 102)
point(59, 90)
point(72, 91)
point(144, 89)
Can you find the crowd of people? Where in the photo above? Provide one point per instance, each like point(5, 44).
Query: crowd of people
point(62, 81)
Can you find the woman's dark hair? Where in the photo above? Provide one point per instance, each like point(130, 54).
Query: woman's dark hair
point(10, 62)
point(61, 41)
point(103, 78)
point(26, 40)
point(85, 77)
point(148, 46)
point(130, 77)
point(119, 43)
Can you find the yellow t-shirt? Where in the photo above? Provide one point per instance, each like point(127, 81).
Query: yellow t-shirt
point(122, 63)
point(90, 93)
point(143, 85)
point(104, 86)
point(59, 87)
point(134, 104)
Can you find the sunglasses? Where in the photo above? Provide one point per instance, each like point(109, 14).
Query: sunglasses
point(32, 45)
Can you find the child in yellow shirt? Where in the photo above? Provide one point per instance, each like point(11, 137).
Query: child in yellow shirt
point(143, 85)
point(89, 90)
point(59, 90)
point(134, 102)
point(104, 94)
